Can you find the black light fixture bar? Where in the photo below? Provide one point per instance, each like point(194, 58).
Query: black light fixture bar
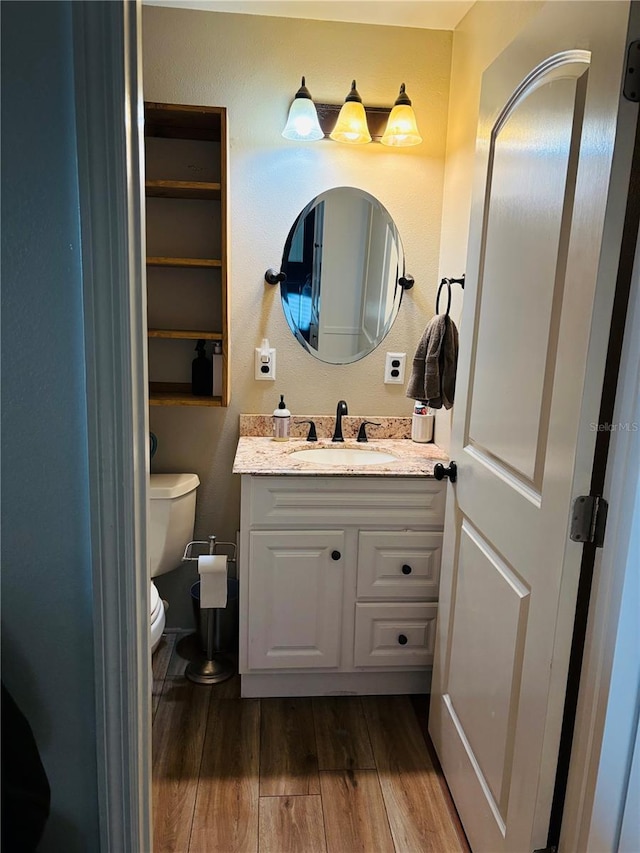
point(377, 118)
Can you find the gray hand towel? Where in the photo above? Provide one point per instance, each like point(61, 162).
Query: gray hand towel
point(433, 377)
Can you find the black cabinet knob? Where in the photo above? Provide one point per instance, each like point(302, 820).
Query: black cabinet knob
point(406, 570)
point(335, 555)
point(402, 640)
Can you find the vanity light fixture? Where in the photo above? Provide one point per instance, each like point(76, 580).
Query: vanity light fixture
point(302, 123)
point(351, 126)
point(402, 128)
point(352, 123)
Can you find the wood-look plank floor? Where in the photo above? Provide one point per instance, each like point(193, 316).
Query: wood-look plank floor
point(322, 775)
point(288, 759)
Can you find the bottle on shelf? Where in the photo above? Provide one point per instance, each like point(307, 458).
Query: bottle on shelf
point(201, 372)
point(217, 368)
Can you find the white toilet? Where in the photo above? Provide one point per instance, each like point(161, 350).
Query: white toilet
point(171, 518)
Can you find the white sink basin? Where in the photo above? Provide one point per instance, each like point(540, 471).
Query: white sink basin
point(347, 456)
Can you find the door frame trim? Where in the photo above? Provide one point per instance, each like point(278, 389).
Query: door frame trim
point(608, 622)
point(107, 62)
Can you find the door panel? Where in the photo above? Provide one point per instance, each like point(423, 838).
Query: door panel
point(540, 280)
point(486, 657)
point(526, 242)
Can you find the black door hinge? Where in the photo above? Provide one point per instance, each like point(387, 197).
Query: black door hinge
point(631, 86)
point(589, 519)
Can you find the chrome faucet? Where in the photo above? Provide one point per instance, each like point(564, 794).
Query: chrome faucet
point(341, 410)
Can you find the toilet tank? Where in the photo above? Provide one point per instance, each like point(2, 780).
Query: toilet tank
point(172, 512)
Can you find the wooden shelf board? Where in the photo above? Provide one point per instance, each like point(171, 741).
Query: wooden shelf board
point(177, 394)
point(180, 121)
point(182, 189)
point(201, 263)
point(185, 334)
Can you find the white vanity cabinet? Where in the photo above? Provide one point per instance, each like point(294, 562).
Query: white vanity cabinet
point(338, 584)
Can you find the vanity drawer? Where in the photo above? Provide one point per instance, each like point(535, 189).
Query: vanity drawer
point(399, 564)
point(395, 634)
point(329, 501)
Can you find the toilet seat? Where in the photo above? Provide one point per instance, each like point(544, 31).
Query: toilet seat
point(155, 602)
point(157, 616)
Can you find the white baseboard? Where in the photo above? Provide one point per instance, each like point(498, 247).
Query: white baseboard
point(335, 683)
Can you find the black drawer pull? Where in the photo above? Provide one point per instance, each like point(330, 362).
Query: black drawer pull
point(406, 570)
point(335, 555)
point(402, 640)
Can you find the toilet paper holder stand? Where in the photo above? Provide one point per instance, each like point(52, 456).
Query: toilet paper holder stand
point(212, 544)
point(211, 667)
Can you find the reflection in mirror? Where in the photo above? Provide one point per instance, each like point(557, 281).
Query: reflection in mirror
point(342, 259)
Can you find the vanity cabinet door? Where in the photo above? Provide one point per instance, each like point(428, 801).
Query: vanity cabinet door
point(295, 599)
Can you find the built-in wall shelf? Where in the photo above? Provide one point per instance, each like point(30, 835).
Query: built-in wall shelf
point(183, 189)
point(177, 394)
point(184, 121)
point(186, 191)
point(200, 263)
point(185, 334)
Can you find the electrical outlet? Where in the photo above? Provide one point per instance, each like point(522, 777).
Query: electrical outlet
point(265, 363)
point(394, 368)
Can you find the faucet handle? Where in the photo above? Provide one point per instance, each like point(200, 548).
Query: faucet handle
point(362, 432)
point(312, 430)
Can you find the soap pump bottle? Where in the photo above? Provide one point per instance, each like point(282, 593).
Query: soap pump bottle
point(281, 421)
point(201, 372)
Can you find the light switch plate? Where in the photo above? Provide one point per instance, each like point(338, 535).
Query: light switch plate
point(265, 370)
point(394, 368)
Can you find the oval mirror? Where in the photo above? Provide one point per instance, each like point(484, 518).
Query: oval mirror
point(342, 259)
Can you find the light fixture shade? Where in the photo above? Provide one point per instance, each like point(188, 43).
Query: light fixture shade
point(402, 128)
point(302, 124)
point(351, 126)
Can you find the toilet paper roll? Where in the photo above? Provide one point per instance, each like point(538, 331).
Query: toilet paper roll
point(213, 580)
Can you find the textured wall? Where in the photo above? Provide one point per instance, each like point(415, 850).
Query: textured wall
point(252, 65)
point(47, 628)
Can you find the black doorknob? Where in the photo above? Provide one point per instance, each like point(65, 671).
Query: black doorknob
point(440, 472)
point(335, 555)
point(402, 640)
point(406, 570)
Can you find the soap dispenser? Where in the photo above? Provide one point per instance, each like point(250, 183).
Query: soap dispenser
point(201, 372)
point(281, 421)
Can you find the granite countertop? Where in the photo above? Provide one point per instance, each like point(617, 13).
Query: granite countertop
point(263, 456)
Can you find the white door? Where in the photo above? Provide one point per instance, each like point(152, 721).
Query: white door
point(541, 272)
